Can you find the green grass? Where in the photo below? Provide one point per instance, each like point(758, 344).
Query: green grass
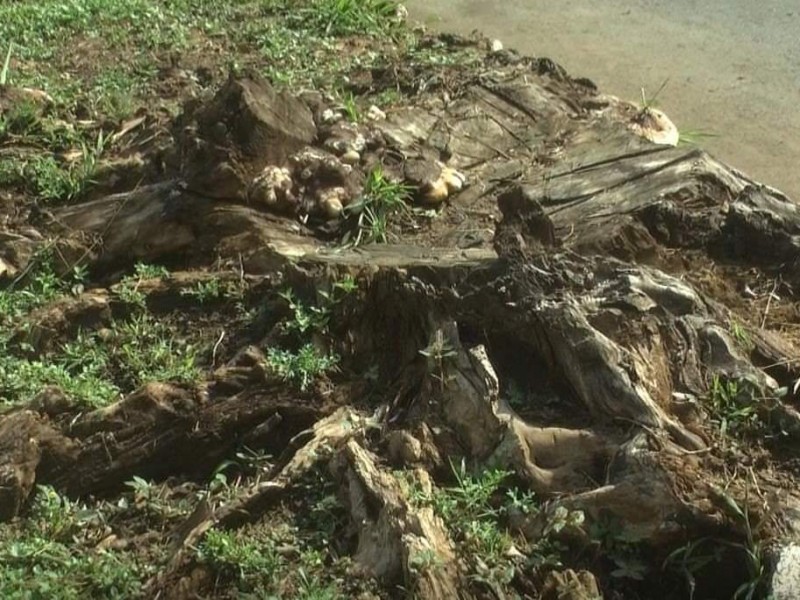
point(42, 286)
point(303, 366)
point(146, 349)
point(692, 558)
point(299, 361)
point(213, 290)
point(297, 39)
point(468, 510)
point(91, 370)
point(38, 28)
point(733, 407)
point(345, 17)
point(128, 289)
point(41, 175)
point(95, 371)
point(51, 555)
point(370, 216)
point(693, 138)
point(233, 555)
point(474, 510)
point(251, 561)
point(649, 102)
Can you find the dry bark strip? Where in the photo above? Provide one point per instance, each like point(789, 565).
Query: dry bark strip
point(392, 534)
point(158, 431)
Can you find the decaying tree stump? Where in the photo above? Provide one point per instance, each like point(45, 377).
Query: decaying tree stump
point(575, 241)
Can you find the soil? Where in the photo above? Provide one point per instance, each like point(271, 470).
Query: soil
point(564, 366)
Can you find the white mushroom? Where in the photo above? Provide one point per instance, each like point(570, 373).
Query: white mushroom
point(436, 192)
point(654, 125)
point(454, 180)
point(400, 13)
point(271, 186)
point(496, 46)
point(330, 116)
point(351, 157)
point(359, 143)
point(331, 201)
point(375, 114)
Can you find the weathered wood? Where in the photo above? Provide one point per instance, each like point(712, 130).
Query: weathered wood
point(157, 431)
point(393, 534)
point(561, 245)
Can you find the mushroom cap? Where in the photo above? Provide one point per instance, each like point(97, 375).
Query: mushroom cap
point(654, 125)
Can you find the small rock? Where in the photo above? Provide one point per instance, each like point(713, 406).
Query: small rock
point(786, 577)
point(496, 46)
point(404, 448)
point(375, 114)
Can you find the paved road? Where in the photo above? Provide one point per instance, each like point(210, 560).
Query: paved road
point(733, 65)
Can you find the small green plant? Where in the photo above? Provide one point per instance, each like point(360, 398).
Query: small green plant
point(438, 352)
point(732, 406)
point(211, 291)
point(619, 546)
point(316, 317)
point(696, 555)
point(146, 349)
point(6, 65)
point(247, 560)
point(147, 271)
point(425, 560)
point(351, 108)
point(301, 367)
point(311, 588)
point(650, 102)
point(305, 319)
point(467, 510)
point(153, 500)
point(692, 137)
point(39, 286)
point(521, 502)
point(52, 555)
point(23, 120)
point(387, 97)
point(739, 333)
point(128, 289)
point(369, 216)
point(52, 181)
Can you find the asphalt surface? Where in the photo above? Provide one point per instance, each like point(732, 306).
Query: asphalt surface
point(733, 66)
